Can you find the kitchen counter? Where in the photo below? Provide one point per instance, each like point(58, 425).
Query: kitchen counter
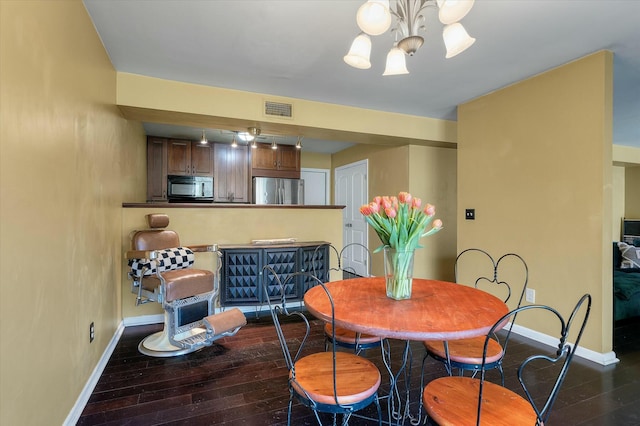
point(233, 227)
point(227, 206)
point(278, 245)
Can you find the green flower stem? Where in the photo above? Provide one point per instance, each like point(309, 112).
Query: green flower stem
point(399, 281)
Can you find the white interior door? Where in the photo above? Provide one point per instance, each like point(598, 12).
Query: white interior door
point(352, 192)
point(316, 186)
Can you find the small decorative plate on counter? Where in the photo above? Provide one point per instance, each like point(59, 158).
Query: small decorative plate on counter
point(274, 241)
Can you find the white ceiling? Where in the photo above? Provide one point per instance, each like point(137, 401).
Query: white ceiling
point(294, 48)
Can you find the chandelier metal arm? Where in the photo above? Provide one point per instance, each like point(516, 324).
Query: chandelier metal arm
point(410, 21)
point(408, 14)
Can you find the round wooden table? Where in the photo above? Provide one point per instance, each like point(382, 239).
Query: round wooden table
point(437, 310)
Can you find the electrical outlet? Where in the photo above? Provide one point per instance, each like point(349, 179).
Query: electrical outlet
point(530, 295)
point(92, 332)
point(470, 214)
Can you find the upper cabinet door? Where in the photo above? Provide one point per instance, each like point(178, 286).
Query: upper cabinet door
point(179, 158)
point(263, 157)
point(283, 162)
point(202, 159)
point(156, 169)
point(187, 158)
point(288, 159)
point(231, 181)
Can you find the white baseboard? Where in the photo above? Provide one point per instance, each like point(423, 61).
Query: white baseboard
point(143, 320)
point(606, 358)
point(81, 402)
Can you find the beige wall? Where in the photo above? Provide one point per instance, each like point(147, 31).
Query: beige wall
point(632, 192)
point(534, 160)
point(64, 147)
point(618, 177)
point(151, 99)
point(315, 160)
point(433, 177)
point(428, 173)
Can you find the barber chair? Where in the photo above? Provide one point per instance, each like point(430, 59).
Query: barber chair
point(161, 271)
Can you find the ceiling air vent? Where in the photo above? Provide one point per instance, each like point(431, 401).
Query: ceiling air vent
point(278, 109)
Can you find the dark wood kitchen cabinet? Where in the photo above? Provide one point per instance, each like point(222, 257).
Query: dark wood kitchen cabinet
point(231, 183)
point(243, 281)
point(189, 158)
point(283, 162)
point(156, 169)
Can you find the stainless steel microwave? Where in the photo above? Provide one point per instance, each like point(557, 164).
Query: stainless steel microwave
point(190, 189)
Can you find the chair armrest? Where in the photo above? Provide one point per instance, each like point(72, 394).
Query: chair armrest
point(204, 247)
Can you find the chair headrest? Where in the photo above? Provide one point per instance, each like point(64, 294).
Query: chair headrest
point(157, 220)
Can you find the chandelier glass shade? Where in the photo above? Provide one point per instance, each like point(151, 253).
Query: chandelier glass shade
point(358, 56)
point(396, 62)
point(375, 17)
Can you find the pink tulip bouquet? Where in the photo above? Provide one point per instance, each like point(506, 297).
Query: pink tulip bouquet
point(400, 222)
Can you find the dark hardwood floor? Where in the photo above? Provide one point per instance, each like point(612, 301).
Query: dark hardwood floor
point(242, 380)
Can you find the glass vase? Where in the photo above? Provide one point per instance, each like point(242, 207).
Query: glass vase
point(398, 272)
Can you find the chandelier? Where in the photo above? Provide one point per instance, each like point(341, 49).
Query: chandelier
point(375, 16)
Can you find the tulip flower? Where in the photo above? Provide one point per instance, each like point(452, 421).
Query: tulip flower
point(400, 223)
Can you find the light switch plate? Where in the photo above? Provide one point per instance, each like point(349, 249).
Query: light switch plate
point(470, 214)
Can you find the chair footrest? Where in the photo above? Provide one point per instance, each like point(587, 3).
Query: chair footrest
point(225, 322)
point(198, 339)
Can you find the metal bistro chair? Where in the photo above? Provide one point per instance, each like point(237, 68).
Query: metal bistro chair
point(161, 271)
point(467, 401)
point(343, 337)
point(327, 382)
point(466, 354)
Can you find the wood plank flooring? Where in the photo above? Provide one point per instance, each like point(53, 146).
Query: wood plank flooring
point(242, 380)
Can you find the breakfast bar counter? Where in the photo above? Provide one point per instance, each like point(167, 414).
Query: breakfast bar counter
point(165, 205)
point(233, 227)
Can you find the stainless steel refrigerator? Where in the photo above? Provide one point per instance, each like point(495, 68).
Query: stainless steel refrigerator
point(278, 191)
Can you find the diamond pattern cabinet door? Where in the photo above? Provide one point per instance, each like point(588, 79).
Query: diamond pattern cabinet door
point(240, 280)
point(315, 261)
point(283, 261)
point(241, 277)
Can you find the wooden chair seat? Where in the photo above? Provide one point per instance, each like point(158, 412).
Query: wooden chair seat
point(466, 351)
point(453, 401)
point(357, 378)
point(349, 337)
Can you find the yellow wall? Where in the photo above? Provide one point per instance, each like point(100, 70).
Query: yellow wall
point(534, 160)
point(632, 192)
point(64, 147)
point(314, 160)
point(433, 177)
point(151, 99)
point(626, 155)
point(618, 176)
point(228, 226)
point(428, 173)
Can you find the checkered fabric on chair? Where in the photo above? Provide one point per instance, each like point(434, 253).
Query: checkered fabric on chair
point(168, 260)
